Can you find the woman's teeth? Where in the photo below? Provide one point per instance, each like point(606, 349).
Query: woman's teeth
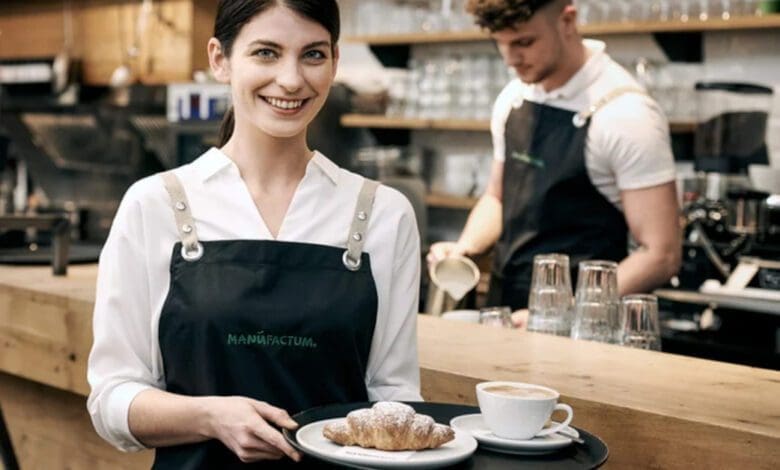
point(284, 104)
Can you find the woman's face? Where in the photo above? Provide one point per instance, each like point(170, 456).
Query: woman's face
point(280, 69)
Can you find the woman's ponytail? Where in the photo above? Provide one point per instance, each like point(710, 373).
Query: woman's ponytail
point(226, 128)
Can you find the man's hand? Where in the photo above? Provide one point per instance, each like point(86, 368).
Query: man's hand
point(442, 250)
point(244, 426)
point(520, 318)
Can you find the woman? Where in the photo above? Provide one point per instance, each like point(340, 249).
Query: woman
point(259, 280)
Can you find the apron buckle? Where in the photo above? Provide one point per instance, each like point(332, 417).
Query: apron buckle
point(349, 263)
point(192, 253)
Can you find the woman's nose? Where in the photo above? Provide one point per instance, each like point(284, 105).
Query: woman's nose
point(290, 76)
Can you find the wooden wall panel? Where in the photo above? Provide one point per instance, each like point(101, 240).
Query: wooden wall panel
point(104, 31)
point(30, 29)
point(203, 27)
point(163, 49)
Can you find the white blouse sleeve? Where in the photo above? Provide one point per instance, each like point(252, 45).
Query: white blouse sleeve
point(119, 365)
point(396, 370)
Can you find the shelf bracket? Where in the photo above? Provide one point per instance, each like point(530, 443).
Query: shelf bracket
point(682, 46)
point(393, 56)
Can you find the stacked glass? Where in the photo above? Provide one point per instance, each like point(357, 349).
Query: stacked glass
point(639, 326)
point(597, 303)
point(550, 298)
point(448, 87)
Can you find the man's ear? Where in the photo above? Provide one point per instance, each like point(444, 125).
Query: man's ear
point(218, 61)
point(569, 17)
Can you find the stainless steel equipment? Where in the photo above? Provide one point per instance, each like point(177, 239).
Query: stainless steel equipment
point(744, 211)
point(731, 130)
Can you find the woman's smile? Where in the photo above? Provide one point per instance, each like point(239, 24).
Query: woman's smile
point(285, 106)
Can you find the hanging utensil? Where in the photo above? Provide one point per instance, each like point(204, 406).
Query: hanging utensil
point(123, 75)
point(62, 61)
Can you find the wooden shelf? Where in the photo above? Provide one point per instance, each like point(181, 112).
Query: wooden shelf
point(749, 22)
point(420, 38)
point(682, 127)
point(378, 121)
point(383, 122)
point(450, 202)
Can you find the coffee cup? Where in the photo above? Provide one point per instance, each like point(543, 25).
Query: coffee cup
point(515, 410)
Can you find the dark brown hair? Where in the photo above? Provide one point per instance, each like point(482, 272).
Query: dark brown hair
point(232, 15)
point(495, 15)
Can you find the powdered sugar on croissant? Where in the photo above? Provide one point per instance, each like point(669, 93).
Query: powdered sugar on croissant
point(389, 425)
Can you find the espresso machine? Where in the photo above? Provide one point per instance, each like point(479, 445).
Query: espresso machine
point(724, 304)
point(67, 155)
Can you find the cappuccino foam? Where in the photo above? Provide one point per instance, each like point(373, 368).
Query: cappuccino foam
point(520, 392)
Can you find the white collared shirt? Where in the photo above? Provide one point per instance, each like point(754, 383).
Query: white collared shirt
point(133, 275)
point(628, 144)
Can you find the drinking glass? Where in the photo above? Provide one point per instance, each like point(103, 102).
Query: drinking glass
point(725, 9)
point(550, 299)
point(596, 308)
point(639, 322)
point(500, 317)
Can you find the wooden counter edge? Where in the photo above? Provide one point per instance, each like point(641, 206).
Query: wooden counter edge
point(637, 439)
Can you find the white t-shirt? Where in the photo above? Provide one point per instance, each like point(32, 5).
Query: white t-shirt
point(628, 144)
point(133, 275)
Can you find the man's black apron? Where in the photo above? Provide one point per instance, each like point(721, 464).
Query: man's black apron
point(286, 323)
point(549, 202)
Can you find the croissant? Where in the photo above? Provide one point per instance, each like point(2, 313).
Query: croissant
point(388, 426)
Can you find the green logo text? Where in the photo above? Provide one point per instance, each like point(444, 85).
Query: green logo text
point(262, 338)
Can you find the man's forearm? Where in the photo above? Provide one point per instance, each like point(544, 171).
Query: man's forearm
point(645, 270)
point(483, 226)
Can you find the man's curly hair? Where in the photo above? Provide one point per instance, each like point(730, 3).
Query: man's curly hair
point(496, 15)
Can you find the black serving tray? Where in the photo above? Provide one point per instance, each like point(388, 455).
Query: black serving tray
point(592, 454)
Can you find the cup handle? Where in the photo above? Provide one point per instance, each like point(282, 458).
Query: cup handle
point(560, 426)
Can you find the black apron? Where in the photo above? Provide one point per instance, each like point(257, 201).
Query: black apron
point(549, 202)
point(290, 324)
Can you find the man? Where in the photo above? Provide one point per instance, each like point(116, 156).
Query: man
point(581, 159)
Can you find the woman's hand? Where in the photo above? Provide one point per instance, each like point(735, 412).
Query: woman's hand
point(243, 425)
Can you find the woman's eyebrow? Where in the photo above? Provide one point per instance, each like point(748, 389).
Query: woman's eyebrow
point(264, 42)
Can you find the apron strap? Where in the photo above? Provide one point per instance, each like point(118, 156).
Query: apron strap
point(357, 232)
point(581, 118)
point(191, 249)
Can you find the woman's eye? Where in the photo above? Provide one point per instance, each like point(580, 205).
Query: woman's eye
point(265, 54)
point(315, 55)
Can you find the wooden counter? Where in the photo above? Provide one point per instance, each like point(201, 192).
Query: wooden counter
point(653, 410)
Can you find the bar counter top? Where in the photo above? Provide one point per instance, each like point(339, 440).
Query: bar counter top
point(654, 410)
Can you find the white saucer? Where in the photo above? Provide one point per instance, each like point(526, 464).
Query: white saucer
point(475, 425)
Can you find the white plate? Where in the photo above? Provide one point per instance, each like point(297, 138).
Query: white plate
point(475, 425)
point(310, 438)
